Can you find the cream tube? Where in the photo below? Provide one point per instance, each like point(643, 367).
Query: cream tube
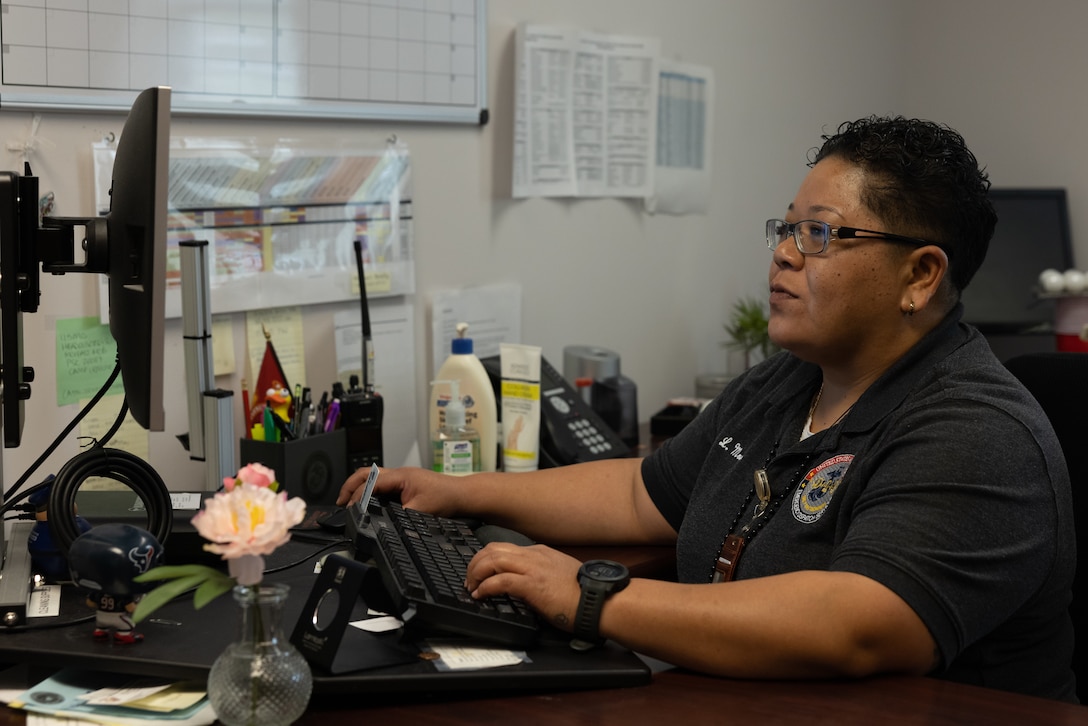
point(519, 366)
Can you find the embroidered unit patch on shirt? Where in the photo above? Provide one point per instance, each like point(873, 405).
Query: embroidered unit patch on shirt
point(815, 491)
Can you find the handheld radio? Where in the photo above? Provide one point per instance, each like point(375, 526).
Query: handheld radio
point(361, 408)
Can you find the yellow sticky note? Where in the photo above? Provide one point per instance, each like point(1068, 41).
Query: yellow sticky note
point(223, 345)
point(131, 437)
point(285, 327)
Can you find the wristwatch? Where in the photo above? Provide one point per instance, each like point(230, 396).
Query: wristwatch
point(598, 579)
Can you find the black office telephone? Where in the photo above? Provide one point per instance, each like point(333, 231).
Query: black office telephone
point(570, 430)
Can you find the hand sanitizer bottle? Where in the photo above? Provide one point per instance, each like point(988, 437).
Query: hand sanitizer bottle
point(455, 445)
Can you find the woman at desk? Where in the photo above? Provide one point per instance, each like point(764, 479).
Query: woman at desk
point(881, 497)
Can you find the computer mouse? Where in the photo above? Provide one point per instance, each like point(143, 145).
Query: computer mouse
point(335, 520)
point(488, 533)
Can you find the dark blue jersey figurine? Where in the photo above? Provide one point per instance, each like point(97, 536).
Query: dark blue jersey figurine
point(104, 561)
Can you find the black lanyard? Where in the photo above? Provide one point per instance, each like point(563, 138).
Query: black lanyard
point(725, 565)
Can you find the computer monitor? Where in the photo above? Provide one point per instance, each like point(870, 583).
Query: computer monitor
point(1032, 234)
point(128, 245)
point(136, 231)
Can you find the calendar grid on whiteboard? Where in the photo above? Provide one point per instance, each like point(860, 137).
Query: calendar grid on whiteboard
point(398, 59)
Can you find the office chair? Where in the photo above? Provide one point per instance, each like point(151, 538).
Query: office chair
point(1059, 382)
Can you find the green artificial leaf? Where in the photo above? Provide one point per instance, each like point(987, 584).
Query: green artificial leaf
point(212, 588)
point(170, 572)
point(178, 579)
point(163, 594)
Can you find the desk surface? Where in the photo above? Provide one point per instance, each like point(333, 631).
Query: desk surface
point(682, 698)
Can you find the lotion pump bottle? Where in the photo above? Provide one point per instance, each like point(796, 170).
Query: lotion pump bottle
point(456, 446)
point(477, 395)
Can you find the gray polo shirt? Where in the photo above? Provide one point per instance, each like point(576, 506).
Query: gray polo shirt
point(945, 483)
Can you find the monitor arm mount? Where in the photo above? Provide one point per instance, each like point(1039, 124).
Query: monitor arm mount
point(27, 241)
point(55, 247)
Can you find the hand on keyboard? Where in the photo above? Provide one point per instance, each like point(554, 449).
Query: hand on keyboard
point(423, 560)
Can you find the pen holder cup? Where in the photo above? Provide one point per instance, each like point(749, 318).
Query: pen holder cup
point(313, 467)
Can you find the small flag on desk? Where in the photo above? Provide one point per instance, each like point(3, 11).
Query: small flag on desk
point(272, 390)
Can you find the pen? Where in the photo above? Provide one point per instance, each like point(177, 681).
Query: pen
point(322, 407)
point(285, 433)
point(302, 408)
point(332, 415)
point(296, 404)
point(304, 417)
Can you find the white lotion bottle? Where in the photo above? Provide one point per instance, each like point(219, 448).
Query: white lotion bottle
point(477, 395)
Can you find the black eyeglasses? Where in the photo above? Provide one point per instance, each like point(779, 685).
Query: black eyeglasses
point(812, 236)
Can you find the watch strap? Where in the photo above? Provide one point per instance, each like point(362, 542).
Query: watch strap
point(587, 618)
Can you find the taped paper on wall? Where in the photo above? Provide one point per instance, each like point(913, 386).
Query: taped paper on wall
point(585, 113)
point(682, 180)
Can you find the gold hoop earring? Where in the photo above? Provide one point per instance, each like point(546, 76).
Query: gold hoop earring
point(910, 310)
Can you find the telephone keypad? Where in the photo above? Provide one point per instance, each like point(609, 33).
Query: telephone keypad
point(588, 436)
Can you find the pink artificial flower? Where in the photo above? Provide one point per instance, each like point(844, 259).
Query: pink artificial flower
point(256, 474)
point(248, 519)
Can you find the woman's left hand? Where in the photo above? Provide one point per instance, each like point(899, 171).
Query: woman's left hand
point(546, 579)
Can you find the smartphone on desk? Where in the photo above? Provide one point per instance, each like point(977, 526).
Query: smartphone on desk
point(570, 430)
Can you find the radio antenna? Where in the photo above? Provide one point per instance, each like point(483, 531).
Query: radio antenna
point(368, 343)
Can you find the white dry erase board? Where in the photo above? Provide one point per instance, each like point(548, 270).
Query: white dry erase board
point(418, 60)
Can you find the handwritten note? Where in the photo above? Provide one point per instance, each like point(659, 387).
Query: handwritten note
point(131, 437)
point(86, 355)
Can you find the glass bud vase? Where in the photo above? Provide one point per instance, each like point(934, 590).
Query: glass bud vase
point(261, 679)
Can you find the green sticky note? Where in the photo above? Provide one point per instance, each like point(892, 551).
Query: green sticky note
point(86, 355)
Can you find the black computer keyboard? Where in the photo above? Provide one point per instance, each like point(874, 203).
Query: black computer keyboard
point(422, 560)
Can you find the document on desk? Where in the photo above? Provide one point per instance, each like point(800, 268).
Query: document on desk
point(585, 113)
point(467, 655)
point(112, 698)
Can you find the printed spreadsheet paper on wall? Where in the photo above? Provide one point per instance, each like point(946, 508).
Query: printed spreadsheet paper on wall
point(281, 221)
point(585, 113)
point(685, 119)
point(384, 59)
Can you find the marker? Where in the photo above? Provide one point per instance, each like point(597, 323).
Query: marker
point(270, 425)
point(332, 415)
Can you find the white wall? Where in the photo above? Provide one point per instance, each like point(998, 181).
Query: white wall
point(1010, 76)
point(655, 289)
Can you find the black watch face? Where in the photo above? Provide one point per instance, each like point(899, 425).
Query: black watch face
point(604, 571)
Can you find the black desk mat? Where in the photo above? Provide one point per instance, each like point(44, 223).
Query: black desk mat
point(181, 642)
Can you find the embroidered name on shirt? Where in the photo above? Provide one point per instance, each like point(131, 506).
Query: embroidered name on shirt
point(737, 452)
point(814, 494)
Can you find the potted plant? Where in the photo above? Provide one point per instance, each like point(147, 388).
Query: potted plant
point(747, 330)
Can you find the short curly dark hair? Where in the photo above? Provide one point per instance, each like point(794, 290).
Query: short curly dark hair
point(923, 182)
